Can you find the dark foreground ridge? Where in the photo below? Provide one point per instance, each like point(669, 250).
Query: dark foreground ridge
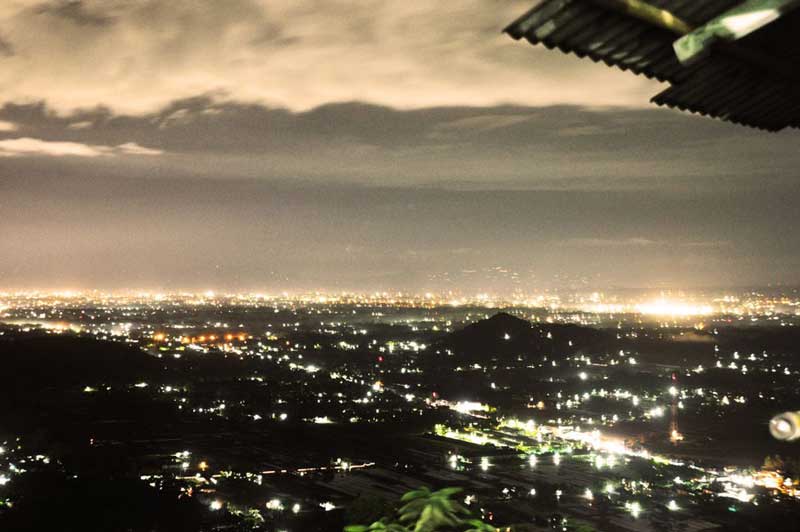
point(63, 360)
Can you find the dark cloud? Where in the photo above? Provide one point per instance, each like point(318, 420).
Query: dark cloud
point(75, 11)
point(6, 49)
point(457, 147)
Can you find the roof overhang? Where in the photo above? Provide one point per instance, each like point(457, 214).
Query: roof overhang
point(731, 59)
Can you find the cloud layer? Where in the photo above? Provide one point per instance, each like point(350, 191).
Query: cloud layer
point(505, 147)
point(135, 56)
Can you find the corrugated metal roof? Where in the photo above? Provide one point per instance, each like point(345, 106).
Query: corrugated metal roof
point(720, 85)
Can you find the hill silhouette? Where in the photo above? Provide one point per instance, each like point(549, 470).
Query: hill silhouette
point(47, 360)
point(506, 337)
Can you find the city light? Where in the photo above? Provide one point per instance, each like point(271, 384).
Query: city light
point(274, 504)
point(673, 506)
point(664, 307)
point(634, 508)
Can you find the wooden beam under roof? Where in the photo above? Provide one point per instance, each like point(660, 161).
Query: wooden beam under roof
point(648, 13)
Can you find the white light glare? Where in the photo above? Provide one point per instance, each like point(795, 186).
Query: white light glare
point(673, 506)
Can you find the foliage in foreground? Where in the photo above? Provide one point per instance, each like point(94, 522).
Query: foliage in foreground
point(428, 511)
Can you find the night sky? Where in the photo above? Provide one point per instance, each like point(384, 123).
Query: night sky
point(294, 145)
